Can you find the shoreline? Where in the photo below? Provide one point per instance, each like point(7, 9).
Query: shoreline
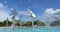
point(30, 27)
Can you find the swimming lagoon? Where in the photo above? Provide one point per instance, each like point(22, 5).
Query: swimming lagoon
point(29, 29)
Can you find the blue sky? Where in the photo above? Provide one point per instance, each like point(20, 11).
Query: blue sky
point(39, 7)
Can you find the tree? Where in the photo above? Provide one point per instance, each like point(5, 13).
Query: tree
point(8, 24)
point(13, 13)
point(28, 23)
point(1, 24)
point(39, 23)
point(36, 22)
point(18, 23)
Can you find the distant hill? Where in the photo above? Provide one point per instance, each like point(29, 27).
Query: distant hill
point(55, 23)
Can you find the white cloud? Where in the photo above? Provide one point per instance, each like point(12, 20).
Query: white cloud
point(51, 14)
point(50, 11)
point(5, 2)
point(3, 12)
point(1, 5)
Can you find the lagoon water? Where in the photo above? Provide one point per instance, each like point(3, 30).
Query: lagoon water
point(38, 29)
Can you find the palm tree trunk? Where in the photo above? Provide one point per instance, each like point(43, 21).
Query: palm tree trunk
point(20, 20)
point(7, 23)
point(32, 23)
point(13, 23)
point(20, 23)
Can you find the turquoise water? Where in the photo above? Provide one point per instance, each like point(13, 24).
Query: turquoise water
point(38, 29)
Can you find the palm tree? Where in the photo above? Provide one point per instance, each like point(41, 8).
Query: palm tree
point(32, 16)
point(14, 13)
